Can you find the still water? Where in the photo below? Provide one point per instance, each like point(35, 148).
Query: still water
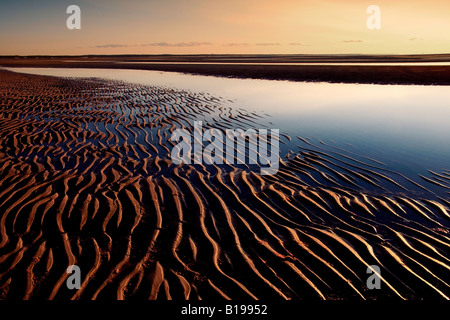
point(405, 127)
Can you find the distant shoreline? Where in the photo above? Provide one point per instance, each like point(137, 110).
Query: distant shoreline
point(272, 67)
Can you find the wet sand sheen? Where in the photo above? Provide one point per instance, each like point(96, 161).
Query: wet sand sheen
point(86, 178)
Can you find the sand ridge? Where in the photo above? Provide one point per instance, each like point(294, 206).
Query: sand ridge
point(86, 179)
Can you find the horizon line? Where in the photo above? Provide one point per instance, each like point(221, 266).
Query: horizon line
point(227, 54)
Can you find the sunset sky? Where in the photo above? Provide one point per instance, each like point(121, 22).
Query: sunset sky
point(227, 26)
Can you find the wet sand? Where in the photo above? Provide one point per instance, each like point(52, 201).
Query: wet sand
point(264, 66)
point(86, 179)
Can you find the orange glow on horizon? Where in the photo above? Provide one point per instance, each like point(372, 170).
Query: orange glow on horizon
point(256, 27)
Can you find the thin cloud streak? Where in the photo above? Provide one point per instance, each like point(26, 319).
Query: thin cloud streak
point(113, 46)
point(154, 44)
point(178, 44)
point(267, 44)
point(193, 44)
point(237, 44)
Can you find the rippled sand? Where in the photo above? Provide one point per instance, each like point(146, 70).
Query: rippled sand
point(86, 179)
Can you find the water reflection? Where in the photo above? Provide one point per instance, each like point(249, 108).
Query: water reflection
point(405, 127)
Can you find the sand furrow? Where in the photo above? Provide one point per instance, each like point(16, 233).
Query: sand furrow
point(86, 178)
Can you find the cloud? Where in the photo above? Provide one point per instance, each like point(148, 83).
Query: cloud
point(413, 39)
point(112, 46)
point(177, 44)
point(268, 44)
point(233, 44)
point(196, 44)
point(236, 44)
point(154, 44)
point(352, 41)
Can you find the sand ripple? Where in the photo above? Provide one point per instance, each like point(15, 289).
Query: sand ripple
point(86, 179)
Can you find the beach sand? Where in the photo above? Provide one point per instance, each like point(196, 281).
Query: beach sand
point(86, 179)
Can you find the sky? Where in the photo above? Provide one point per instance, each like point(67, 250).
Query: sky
point(226, 26)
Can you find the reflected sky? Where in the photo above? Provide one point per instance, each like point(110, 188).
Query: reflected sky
point(406, 127)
